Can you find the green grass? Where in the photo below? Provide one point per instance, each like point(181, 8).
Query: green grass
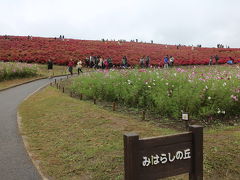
point(78, 140)
point(41, 72)
point(57, 70)
point(75, 139)
point(222, 157)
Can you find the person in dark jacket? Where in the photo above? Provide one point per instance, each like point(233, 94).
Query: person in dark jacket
point(147, 61)
point(50, 68)
point(216, 59)
point(70, 66)
point(124, 62)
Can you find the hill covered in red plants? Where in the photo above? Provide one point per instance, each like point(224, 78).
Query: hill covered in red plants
point(39, 50)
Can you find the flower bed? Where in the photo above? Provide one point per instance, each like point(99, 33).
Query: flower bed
point(39, 50)
point(16, 70)
point(203, 92)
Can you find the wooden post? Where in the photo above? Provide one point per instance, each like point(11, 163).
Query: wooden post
point(187, 125)
point(94, 101)
point(80, 96)
point(63, 89)
point(130, 155)
point(55, 81)
point(143, 115)
point(114, 106)
point(197, 149)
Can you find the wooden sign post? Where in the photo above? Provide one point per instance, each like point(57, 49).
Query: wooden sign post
point(159, 157)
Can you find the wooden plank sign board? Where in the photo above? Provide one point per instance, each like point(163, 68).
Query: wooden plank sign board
point(159, 157)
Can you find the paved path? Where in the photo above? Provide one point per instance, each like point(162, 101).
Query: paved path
point(15, 163)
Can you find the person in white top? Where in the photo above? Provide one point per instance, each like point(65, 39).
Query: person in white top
point(79, 66)
point(171, 59)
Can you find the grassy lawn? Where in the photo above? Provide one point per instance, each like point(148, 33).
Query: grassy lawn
point(57, 70)
point(42, 72)
point(78, 140)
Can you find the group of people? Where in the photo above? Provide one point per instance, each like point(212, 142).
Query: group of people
point(168, 61)
point(61, 37)
point(98, 62)
point(212, 58)
point(229, 61)
point(70, 66)
point(144, 61)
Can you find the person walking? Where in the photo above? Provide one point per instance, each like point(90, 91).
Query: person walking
point(147, 61)
point(91, 61)
point(216, 59)
point(210, 61)
point(87, 62)
point(141, 62)
point(100, 63)
point(171, 61)
point(166, 61)
point(110, 64)
point(124, 62)
point(105, 63)
point(79, 67)
point(70, 66)
point(96, 62)
point(50, 68)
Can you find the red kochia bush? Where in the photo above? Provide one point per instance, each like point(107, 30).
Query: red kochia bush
point(39, 50)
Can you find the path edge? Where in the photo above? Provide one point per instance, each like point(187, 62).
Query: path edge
point(40, 78)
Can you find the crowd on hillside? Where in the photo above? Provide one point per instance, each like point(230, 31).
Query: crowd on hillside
point(98, 62)
point(222, 46)
point(216, 58)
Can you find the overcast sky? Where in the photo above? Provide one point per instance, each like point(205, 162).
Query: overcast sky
point(206, 22)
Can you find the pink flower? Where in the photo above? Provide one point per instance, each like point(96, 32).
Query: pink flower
point(142, 70)
point(235, 98)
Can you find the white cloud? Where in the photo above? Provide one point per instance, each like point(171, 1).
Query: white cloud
point(206, 22)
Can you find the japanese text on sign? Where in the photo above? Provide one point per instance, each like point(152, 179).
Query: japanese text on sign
point(164, 158)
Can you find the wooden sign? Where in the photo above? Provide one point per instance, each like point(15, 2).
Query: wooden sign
point(159, 157)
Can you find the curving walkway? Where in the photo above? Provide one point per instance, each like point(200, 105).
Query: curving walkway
point(15, 163)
